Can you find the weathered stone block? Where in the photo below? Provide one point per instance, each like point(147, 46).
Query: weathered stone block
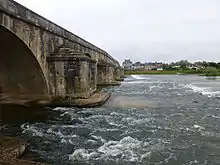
point(76, 78)
point(105, 73)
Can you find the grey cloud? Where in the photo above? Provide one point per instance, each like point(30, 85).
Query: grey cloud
point(143, 30)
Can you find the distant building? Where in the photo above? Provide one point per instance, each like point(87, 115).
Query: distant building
point(153, 66)
point(138, 66)
point(159, 66)
point(195, 66)
point(149, 66)
point(127, 64)
point(192, 66)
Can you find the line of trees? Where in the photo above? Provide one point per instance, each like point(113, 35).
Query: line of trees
point(205, 68)
point(209, 64)
point(184, 63)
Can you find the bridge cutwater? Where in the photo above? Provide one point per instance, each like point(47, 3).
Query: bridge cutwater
point(40, 58)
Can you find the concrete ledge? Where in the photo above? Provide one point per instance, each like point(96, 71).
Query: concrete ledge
point(109, 84)
point(96, 99)
point(119, 79)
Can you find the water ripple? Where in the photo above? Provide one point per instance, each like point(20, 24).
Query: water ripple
point(149, 120)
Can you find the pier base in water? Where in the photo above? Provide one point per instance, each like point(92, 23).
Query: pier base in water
point(116, 83)
point(96, 99)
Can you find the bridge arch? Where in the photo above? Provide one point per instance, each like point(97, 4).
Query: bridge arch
point(20, 71)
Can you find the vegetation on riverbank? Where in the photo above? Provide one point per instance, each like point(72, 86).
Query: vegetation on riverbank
point(203, 68)
point(209, 71)
point(162, 72)
point(148, 72)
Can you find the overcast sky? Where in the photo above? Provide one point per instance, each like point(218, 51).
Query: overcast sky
point(142, 30)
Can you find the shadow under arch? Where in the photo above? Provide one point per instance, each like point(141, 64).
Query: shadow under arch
point(20, 72)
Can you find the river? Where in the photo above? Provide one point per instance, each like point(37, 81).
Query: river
point(150, 119)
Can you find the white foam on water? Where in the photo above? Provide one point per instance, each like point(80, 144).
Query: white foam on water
point(214, 116)
point(145, 156)
point(138, 82)
point(51, 131)
point(212, 93)
point(209, 134)
point(138, 77)
point(195, 88)
point(177, 114)
point(127, 149)
point(155, 86)
point(124, 148)
point(200, 128)
point(82, 154)
point(108, 129)
point(68, 126)
point(203, 90)
point(133, 121)
point(91, 141)
point(113, 148)
point(146, 81)
point(62, 109)
point(69, 139)
point(31, 129)
point(98, 138)
point(63, 141)
point(116, 114)
point(191, 162)
point(115, 124)
point(129, 79)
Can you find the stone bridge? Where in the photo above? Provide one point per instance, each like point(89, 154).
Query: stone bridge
point(41, 58)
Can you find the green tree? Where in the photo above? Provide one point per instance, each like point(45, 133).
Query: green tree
point(213, 64)
point(205, 64)
point(211, 71)
point(183, 63)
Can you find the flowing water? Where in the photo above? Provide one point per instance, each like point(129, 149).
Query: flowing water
point(166, 119)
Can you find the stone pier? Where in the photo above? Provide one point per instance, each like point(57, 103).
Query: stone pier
point(48, 61)
point(106, 74)
point(73, 73)
point(119, 74)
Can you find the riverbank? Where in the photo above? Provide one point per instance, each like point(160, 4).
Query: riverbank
point(164, 72)
point(201, 72)
point(11, 151)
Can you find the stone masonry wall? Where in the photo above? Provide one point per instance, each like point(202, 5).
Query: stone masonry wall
point(74, 75)
point(43, 37)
